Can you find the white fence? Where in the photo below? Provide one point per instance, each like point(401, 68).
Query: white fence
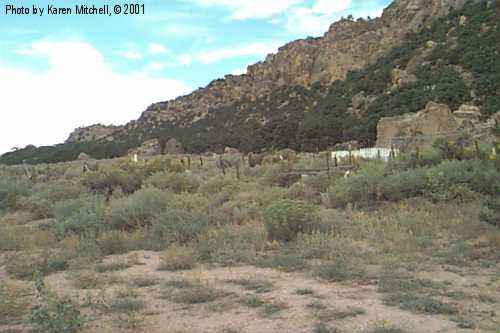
point(367, 153)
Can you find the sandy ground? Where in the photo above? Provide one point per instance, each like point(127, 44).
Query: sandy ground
point(300, 313)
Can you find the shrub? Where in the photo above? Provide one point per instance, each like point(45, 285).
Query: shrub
point(137, 210)
point(45, 196)
point(53, 314)
point(491, 212)
point(11, 191)
point(177, 183)
point(78, 216)
point(361, 189)
point(406, 184)
point(179, 225)
point(285, 219)
point(229, 245)
point(113, 242)
point(177, 258)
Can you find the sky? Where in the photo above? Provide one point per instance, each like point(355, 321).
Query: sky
point(62, 72)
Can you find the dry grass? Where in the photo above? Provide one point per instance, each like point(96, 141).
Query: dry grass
point(177, 258)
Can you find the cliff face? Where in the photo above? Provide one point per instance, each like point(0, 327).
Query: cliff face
point(346, 46)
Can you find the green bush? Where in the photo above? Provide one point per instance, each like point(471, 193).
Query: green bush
point(82, 215)
point(11, 191)
point(285, 219)
point(41, 203)
point(360, 189)
point(232, 244)
point(175, 182)
point(179, 225)
point(491, 212)
point(406, 184)
point(139, 209)
point(113, 242)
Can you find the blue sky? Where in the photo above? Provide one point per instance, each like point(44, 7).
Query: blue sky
point(61, 72)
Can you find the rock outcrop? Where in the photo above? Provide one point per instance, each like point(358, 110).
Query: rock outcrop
point(435, 121)
point(347, 45)
point(425, 126)
point(92, 133)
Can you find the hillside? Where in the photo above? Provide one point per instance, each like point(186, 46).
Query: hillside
point(315, 93)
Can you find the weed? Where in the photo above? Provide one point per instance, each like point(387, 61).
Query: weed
point(144, 281)
point(419, 303)
point(304, 292)
point(185, 292)
point(53, 314)
point(177, 258)
point(258, 286)
point(252, 301)
point(111, 267)
point(324, 328)
point(341, 269)
point(283, 262)
point(273, 308)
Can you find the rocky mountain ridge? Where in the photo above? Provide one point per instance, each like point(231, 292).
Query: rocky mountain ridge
point(348, 45)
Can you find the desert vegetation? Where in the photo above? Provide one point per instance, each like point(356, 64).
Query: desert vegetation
point(132, 244)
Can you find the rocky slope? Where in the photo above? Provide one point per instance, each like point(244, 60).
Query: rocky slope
point(347, 45)
point(316, 93)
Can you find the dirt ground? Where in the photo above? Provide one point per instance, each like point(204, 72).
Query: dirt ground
point(329, 303)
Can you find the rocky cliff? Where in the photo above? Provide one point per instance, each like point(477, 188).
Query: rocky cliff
point(347, 45)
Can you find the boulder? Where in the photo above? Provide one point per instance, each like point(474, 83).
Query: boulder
point(358, 100)
point(424, 126)
point(83, 157)
point(401, 78)
point(468, 112)
point(231, 151)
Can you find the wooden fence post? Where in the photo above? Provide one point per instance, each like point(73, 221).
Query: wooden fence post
point(328, 154)
point(189, 162)
point(201, 161)
point(237, 167)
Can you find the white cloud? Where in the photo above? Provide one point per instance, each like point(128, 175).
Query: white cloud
point(251, 9)
point(213, 56)
point(130, 55)
point(303, 21)
point(331, 6)
point(78, 88)
point(256, 49)
point(315, 21)
point(156, 49)
point(185, 59)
